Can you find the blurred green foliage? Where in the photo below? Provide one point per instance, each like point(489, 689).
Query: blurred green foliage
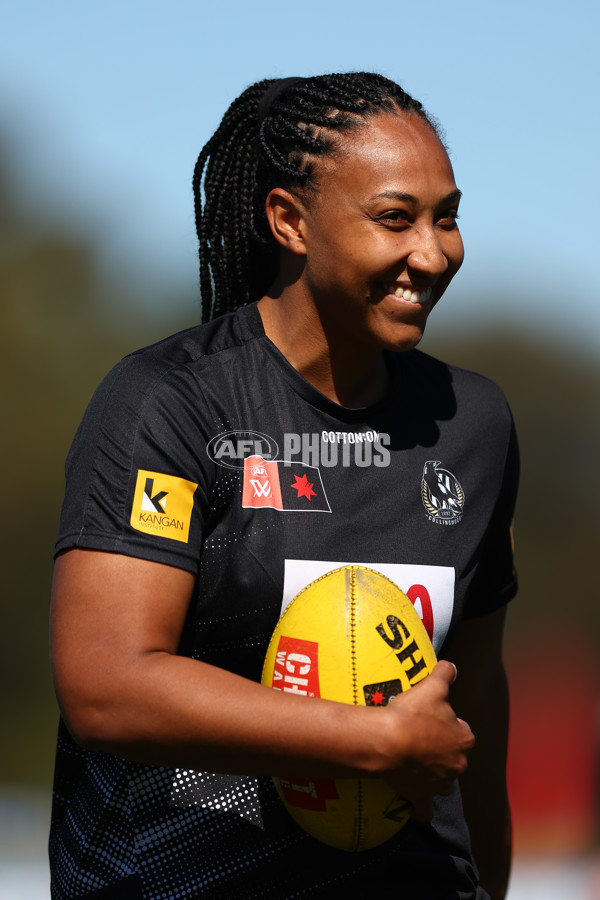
point(65, 321)
point(555, 397)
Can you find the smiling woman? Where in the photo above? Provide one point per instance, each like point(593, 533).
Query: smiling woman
point(364, 265)
point(326, 211)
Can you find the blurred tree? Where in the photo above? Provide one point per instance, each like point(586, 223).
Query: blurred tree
point(63, 323)
point(555, 398)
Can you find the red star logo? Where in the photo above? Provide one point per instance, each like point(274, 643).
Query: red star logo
point(377, 698)
point(304, 487)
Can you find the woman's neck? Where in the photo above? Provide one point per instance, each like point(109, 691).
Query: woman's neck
point(350, 375)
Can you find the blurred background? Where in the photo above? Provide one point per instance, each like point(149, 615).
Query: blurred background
point(103, 109)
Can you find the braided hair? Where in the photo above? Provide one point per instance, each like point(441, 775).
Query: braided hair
point(271, 136)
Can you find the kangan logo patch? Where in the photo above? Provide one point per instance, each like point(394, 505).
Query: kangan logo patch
point(442, 495)
point(162, 505)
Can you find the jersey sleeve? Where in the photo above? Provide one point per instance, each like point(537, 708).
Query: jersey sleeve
point(495, 580)
point(138, 480)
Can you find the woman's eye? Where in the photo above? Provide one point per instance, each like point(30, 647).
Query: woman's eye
point(395, 216)
point(448, 219)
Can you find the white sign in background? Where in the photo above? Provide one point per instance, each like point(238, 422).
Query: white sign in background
point(435, 602)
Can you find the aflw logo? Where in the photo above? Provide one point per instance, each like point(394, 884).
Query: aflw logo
point(260, 482)
point(261, 488)
point(162, 505)
point(282, 485)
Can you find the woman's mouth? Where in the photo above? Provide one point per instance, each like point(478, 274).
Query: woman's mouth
point(409, 295)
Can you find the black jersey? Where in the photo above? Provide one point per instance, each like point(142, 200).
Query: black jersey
point(209, 452)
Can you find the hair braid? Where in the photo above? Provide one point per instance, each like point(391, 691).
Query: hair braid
point(256, 149)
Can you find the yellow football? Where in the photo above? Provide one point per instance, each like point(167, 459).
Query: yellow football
point(352, 636)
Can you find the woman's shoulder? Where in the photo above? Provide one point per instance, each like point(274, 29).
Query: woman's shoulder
point(167, 381)
point(194, 345)
point(465, 384)
point(179, 357)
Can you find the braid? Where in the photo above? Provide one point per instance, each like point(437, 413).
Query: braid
point(256, 149)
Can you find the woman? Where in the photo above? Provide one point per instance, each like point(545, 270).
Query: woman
point(326, 212)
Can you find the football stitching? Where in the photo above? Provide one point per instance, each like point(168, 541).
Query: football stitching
point(352, 624)
point(359, 784)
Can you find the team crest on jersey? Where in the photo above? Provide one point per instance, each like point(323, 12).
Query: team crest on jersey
point(442, 495)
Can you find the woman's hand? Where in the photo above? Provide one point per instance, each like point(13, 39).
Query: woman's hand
point(434, 742)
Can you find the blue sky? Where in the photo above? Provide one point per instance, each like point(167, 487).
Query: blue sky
point(107, 105)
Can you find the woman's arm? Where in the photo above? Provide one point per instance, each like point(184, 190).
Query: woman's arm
point(481, 696)
point(116, 625)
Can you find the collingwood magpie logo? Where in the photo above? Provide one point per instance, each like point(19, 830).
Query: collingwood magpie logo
point(442, 495)
point(162, 505)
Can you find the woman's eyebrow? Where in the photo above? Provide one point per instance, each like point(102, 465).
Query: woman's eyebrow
point(453, 196)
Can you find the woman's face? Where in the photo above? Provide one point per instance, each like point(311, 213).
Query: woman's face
point(380, 232)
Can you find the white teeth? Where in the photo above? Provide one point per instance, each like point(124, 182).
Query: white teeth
point(410, 296)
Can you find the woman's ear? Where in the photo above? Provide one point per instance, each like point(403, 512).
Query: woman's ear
point(285, 213)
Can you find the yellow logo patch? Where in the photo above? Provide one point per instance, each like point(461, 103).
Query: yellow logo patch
point(162, 505)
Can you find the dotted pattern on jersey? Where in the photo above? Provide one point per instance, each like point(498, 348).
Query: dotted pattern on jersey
point(192, 835)
point(231, 793)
